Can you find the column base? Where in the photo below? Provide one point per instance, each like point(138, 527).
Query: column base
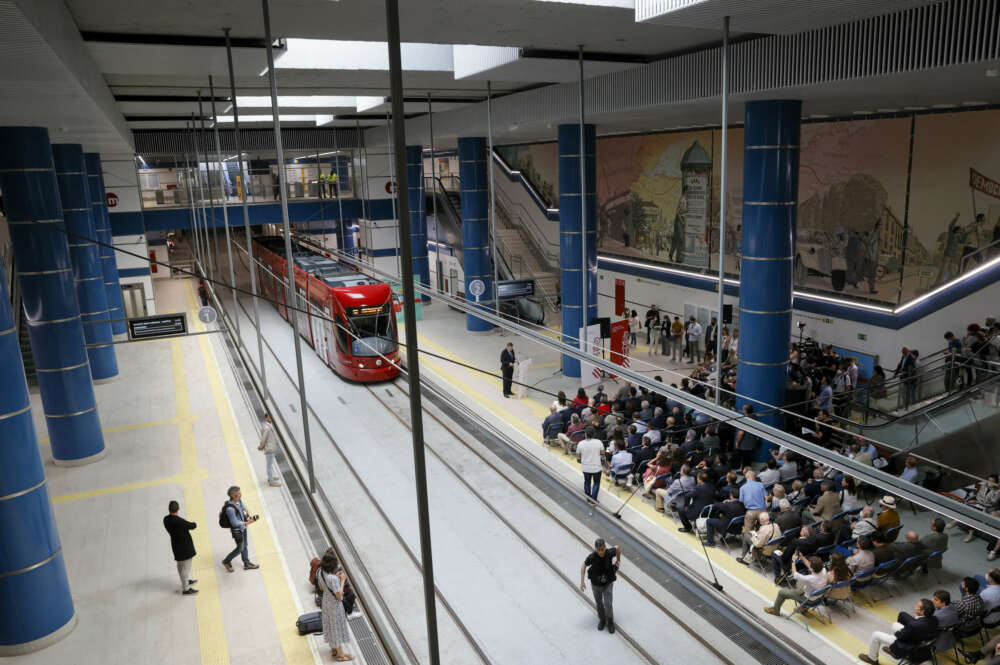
point(105, 380)
point(82, 461)
point(41, 642)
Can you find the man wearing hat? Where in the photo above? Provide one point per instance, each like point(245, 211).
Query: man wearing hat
point(888, 518)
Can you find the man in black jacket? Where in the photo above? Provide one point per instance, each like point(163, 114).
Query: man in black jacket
point(182, 545)
point(702, 495)
point(805, 544)
point(725, 511)
point(507, 362)
point(909, 632)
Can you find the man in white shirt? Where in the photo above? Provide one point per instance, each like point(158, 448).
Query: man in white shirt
point(806, 584)
point(269, 446)
point(991, 594)
point(589, 452)
point(694, 340)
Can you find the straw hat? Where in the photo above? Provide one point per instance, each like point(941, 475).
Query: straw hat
point(888, 502)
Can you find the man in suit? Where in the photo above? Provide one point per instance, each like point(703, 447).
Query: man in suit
point(507, 362)
point(552, 421)
point(935, 541)
point(702, 495)
point(782, 559)
point(787, 517)
point(182, 546)
point(908, 633)
point(944, 611)
point(909, 547)
point(726, 512)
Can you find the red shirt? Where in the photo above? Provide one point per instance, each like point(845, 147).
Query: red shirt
point(580, 401)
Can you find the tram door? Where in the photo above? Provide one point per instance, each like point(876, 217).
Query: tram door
point(319, 331)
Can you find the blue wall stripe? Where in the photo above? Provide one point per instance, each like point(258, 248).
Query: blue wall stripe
point(133, 272)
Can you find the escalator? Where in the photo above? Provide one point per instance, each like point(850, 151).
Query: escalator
point(951, 421)
point(446, 225)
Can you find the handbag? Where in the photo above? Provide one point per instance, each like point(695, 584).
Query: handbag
point(701, 526)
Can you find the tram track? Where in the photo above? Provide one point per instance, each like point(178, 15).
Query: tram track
point(345, 460)
point(401, 414)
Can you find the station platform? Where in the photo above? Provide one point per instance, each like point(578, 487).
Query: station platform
point(176, 427)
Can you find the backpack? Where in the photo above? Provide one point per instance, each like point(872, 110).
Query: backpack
point(223, 518)
point(313, 568)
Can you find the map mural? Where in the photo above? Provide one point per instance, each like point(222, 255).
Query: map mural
point(658, 200)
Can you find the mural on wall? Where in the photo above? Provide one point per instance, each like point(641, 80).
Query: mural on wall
point(852, 201)
point(954, 197)
point(539, 164)
point(658, 200)
point(655, 197)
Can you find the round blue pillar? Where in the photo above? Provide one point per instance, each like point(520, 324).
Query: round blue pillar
point(475, 226)
point(345, 236)
point(418, 214)
point(571, 234)
point(88, 274)
point(45, 275)
point(102, 222)
point(36, 607)
point(770, 201)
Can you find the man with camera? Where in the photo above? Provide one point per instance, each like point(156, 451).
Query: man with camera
point(237, 517)
point(602, 578)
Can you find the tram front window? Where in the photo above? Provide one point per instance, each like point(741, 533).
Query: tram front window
point(372, 330)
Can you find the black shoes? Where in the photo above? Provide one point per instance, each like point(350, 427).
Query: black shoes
point(971, 656)
point(611, 627)
point(228, 566)
point(250, 566)
point(600, 625)
point(189, 592)
point(192, 582)
point(684, 529)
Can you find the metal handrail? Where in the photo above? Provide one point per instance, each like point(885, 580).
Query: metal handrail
point(525, 218)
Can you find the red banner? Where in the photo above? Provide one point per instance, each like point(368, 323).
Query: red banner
point(620, 343)
point(983, 184)
point(620, 308)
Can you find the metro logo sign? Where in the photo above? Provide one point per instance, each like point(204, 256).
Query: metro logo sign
point(112, 199)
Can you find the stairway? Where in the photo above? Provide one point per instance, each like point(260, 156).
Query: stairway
point(525, 264)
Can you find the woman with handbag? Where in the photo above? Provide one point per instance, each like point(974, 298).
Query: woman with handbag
point(332, 580)
point(659, 466)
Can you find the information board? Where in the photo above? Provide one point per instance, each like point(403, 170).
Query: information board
point(157, 326)
point(515, 288)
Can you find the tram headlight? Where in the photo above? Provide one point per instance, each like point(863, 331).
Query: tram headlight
point(378, 363)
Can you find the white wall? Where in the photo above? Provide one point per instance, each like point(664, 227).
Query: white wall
point(136, 244)
point(925, 334)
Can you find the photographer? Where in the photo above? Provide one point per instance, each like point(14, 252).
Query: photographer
point(602, 579)
point(235, 513)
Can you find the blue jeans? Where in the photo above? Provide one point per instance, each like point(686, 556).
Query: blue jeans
point(272, 468)
point(242, 539)
point(713, 526)
point(591, 483)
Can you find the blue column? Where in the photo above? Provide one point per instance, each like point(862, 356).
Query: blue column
point(475, 225)
point(74, 191)
point(418, 213)
point(345, 236)
point(36, 608)
point(95, 176)
point(570, 234)
point(45, 274)
point(770, 200)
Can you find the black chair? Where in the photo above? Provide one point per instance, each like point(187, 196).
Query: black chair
point(890, 534)
point(552, 434)
point(734, 528)
point(990, 621)
point(922, 653)
point(909, 566)
point(963, 631)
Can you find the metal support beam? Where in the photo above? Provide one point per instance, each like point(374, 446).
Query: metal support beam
point(410, 319)
point(225, 213)
point(584, 266)
point(210, 244)
point(493, 195)
point(722, 209)
point(293, 294)
point(244, 190)
point(434, 197)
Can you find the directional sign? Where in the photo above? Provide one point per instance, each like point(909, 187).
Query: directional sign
point(207, 315)
point(477, 287)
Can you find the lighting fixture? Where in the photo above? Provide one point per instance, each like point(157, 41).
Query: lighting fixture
point(268, 118)
point(296, 101)
point(945, 106)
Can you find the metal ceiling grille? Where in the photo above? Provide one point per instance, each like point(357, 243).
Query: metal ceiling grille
point(179, 141)
point(940, 35)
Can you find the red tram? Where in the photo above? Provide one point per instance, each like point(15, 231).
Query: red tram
point(365, 339)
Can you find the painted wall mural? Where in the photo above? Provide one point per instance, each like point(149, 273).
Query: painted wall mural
point(856, 235)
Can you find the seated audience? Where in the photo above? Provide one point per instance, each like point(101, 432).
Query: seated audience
point(864, 558)
point(770, 473)
point(756, 542)
point(828, 503)
point(866, 524)
point(552, 421)
point(722, 514)
point(683, 483)
point(991, 594)
point(788, 517)
point(970, 606)
point(701, 496)
point(888, 518)
point(909, 547)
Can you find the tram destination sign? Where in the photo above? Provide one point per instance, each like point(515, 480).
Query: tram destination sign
point(515, 288)
point(157, 326)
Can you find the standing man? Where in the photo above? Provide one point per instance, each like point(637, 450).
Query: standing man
point(590, 451)
point(182, 546)
point(507, 362)
point(203, 293)
point(906, 370)
point(235, 513)
point(711, 336)
point(652, 321)
point(602, 578)
point(269, 446)
point(694, 341)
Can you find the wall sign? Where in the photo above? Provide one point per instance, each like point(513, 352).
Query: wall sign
point(112, 199)
point(157, 326)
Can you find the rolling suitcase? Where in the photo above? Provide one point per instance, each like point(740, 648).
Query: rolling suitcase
point(311, 622)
